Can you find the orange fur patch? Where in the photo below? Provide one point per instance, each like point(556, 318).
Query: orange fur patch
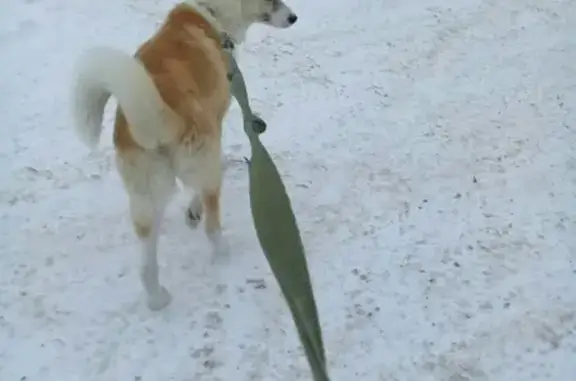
point(186, 62)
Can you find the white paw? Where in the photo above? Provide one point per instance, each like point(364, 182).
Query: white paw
point(159, 300)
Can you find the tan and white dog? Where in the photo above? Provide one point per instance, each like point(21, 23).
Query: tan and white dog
point(172, 98)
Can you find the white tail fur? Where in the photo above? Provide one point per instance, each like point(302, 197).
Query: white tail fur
point(102, 72)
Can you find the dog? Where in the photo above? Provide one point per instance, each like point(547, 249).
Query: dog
point(173, 95)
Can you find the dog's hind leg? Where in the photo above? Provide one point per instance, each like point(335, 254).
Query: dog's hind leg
point(195, 209)
point(146, 217)
point(203, 173)
point(212, 225)
point(149, 182)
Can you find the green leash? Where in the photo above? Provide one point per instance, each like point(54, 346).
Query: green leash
point(277, 229)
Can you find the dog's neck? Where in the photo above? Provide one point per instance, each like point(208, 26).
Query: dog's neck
point(227, 21)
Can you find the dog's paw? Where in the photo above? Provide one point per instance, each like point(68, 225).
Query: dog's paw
point(193, 216)
point(159, 300)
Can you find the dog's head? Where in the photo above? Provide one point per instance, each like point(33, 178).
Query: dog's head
point(270, 12)
point(236, 16)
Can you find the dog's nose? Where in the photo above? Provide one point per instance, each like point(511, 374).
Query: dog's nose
point(292, 18)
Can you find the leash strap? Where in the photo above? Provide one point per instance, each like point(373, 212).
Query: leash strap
point(276, 227)
point(252, 123)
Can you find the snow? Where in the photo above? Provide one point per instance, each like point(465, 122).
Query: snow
point(428, 150)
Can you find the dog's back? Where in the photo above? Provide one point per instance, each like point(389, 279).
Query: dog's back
point(186, 63)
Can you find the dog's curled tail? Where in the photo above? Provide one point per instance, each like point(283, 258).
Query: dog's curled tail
point(102, 72)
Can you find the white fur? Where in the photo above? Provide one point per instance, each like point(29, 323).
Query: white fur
point(103, 71)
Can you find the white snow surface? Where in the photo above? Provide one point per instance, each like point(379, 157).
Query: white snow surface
point(428, 148)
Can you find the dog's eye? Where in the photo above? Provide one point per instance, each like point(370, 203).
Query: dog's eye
point(265, 17)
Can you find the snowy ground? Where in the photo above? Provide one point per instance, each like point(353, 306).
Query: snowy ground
point(428, 149)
